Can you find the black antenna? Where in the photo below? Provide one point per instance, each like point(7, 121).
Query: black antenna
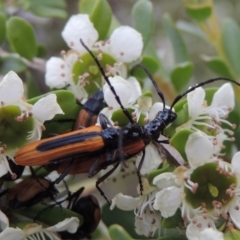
point(125, 111)
point(160, 93)
point(200, 85)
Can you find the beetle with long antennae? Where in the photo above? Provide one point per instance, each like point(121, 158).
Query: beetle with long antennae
point(96, 146)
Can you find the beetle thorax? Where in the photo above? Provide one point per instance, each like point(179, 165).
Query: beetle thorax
point(156, 127)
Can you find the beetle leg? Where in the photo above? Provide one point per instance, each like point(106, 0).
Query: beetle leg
point(93, 171)
point(64, 173)
point(163, 141)
point(101, 179)
point(138, 171)
point(104, 121)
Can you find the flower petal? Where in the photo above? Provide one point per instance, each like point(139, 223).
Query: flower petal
point(58, 73)
point(136, 89)
point(79, 27)
point(46, 108)
point(69, 224)
point(224, 96)
point(198, 225)
point(168, 201)
point(125, 202)
point(4, 167)
point(195, 101)
point(151, 160)
point(11, 89)
point(4, 222)
point(199, 149)
point(156, 107)
point(148, 223)
point(236, 163)
point(165, 180)
point(234, 211)
point(12, 234)
point(122, 88)
point(211, 234)
point(126, 44)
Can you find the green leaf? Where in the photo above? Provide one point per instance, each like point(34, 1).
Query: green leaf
point(32, 87)
point(22, 37)
point(117, 232)
point(180, 237)
point(231, 234)
point(199, 12)
point(150, 63)
point(14, 133)
point(191, 28)
point(142, 15)
point(100, 14)
point(46, 8)
point(180, 50)
point(231, 46)
point(11, 64)
point(174, 221)
point(181, 74)
point(126, 220)
point(2, 28)
point(218, 65)
point(114, 24)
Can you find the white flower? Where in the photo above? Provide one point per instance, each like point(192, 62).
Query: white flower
point(213, 115)
point(44, 109)
point(11, 96)
point(207, 190)
point(147, 221)
point(203, 229)
point(59, 73)
point(151, 161)
point(125, 43)
point(128, 91)
point(36, 231)
point(79, 27)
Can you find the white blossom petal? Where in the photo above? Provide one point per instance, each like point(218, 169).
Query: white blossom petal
point(211, 234)
point(136, 89)
point(3, 165)
point(69, 224)
point(46, 108)
point(126, 44)
point(148, 224)
point(125, 202)
point(79, 27)
point(151, 161)
point(234, 211)
point(224, 96)
point(58, 73)
point(168, 201)
point(199, 149)
point(236, 163)
point(195, 101)
point(12, 234)
point(156, 107)
point(11, 89)
point(4, 222)
point(165, 180)
point(122, 88)
point(197, 225)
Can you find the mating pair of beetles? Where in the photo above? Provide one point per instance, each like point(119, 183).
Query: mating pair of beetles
point(94, 148)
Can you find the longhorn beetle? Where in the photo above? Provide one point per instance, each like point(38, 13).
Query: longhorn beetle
point(96, 145)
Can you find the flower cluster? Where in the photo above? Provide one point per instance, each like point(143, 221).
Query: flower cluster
point(205, 188)
point(201, 193)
